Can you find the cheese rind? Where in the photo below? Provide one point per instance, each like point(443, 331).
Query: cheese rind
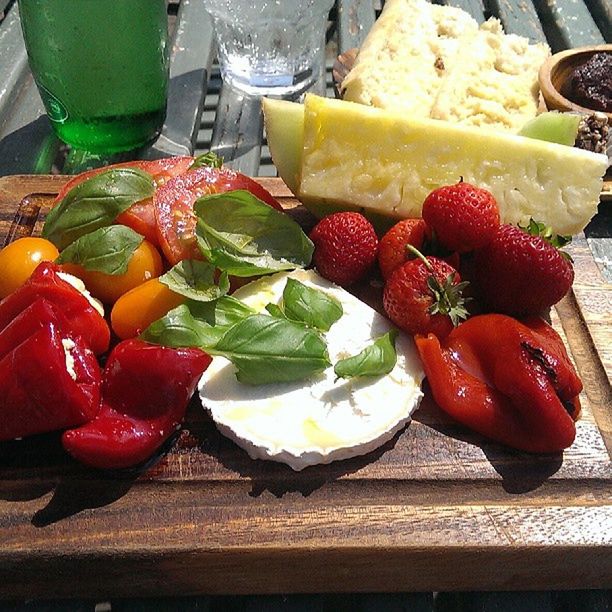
point(385, 162)
point(320, 420)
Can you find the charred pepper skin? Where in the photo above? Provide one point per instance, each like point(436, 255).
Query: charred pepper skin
point(508, 380)
point(82, 317)
point(145, 392)
point(39, 393)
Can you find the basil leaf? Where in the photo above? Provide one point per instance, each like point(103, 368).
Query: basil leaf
point(276, 311)
point(312, 306)
point(197, 324)
point(270, 350)
point(234, 264)
point(240, 234)
point(108, 249)
point(196, 280)
point(375, 360)
point(207, 159)
point(96, 203)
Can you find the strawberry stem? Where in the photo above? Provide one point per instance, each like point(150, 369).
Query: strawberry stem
point(412, 249)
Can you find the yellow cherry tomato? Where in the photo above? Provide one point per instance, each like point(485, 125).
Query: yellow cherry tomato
point(134, 311)
point(145, 263)
point(20, 258)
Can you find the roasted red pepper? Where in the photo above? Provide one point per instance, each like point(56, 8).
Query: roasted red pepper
point(145, 392)
point(83, 319)
point(49, 381)
point(36, 316)
point(508, 380)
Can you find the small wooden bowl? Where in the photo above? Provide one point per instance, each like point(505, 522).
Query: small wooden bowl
point(555, 74)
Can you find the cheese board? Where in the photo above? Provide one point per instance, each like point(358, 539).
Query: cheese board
point(435, 508)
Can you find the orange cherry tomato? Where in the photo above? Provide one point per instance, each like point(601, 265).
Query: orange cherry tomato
point(145, 263)
point(20, 258)
point(135, 310)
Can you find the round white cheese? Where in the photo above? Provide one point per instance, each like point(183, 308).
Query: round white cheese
point(322, 419)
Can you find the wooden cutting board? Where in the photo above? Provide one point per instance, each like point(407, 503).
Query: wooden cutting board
point(437, 508)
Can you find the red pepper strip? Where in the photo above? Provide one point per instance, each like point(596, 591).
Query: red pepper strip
point(83, 319)
point(145, 392)
point(37, 315)
point(38, 393)
point(510, 381)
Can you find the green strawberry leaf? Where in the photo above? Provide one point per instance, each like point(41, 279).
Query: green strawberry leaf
point(448, 298)
point(536, 228)
point(207, 159)
point(377, 359)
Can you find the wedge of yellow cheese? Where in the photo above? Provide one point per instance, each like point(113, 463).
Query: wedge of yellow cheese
point(351, 156)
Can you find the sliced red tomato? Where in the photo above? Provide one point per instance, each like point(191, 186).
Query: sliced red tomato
point(174, 202)
point(140, 216)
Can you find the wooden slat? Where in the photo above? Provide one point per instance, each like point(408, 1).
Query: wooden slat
point(191, 60)
point(436, 508)
point(238, 128)
point(520, 17)
point(474, 7)
point(3, 6)
point(26, 141)
point(355, 19)
point(602, 14)
point(568, 23)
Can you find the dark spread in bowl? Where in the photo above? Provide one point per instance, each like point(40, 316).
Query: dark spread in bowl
point(590, 84)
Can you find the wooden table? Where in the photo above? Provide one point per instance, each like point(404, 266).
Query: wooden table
point(437, 508)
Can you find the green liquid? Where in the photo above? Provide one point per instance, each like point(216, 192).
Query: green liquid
point(101, 68)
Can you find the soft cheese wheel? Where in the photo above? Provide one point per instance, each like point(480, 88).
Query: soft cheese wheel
point(322, 419)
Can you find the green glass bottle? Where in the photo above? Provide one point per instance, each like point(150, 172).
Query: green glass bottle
point(101, 67)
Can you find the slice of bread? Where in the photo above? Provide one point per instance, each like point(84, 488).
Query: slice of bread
point(406, 56)
point(435, 61)
point(497, 85)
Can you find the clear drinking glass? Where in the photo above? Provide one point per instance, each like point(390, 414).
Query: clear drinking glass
point(270, 46)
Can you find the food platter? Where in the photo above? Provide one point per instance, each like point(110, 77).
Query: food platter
point(437, 507)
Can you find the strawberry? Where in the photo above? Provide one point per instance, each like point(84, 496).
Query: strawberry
point(423, 296)
point(520, 271)
point(462, 216)
point(345, 247)
point(392, 252)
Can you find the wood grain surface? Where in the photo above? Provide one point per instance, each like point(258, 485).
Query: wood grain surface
point(436, 508)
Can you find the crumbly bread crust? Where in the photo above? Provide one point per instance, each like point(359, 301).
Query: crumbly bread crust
point(435, 61)
point(406, 55)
